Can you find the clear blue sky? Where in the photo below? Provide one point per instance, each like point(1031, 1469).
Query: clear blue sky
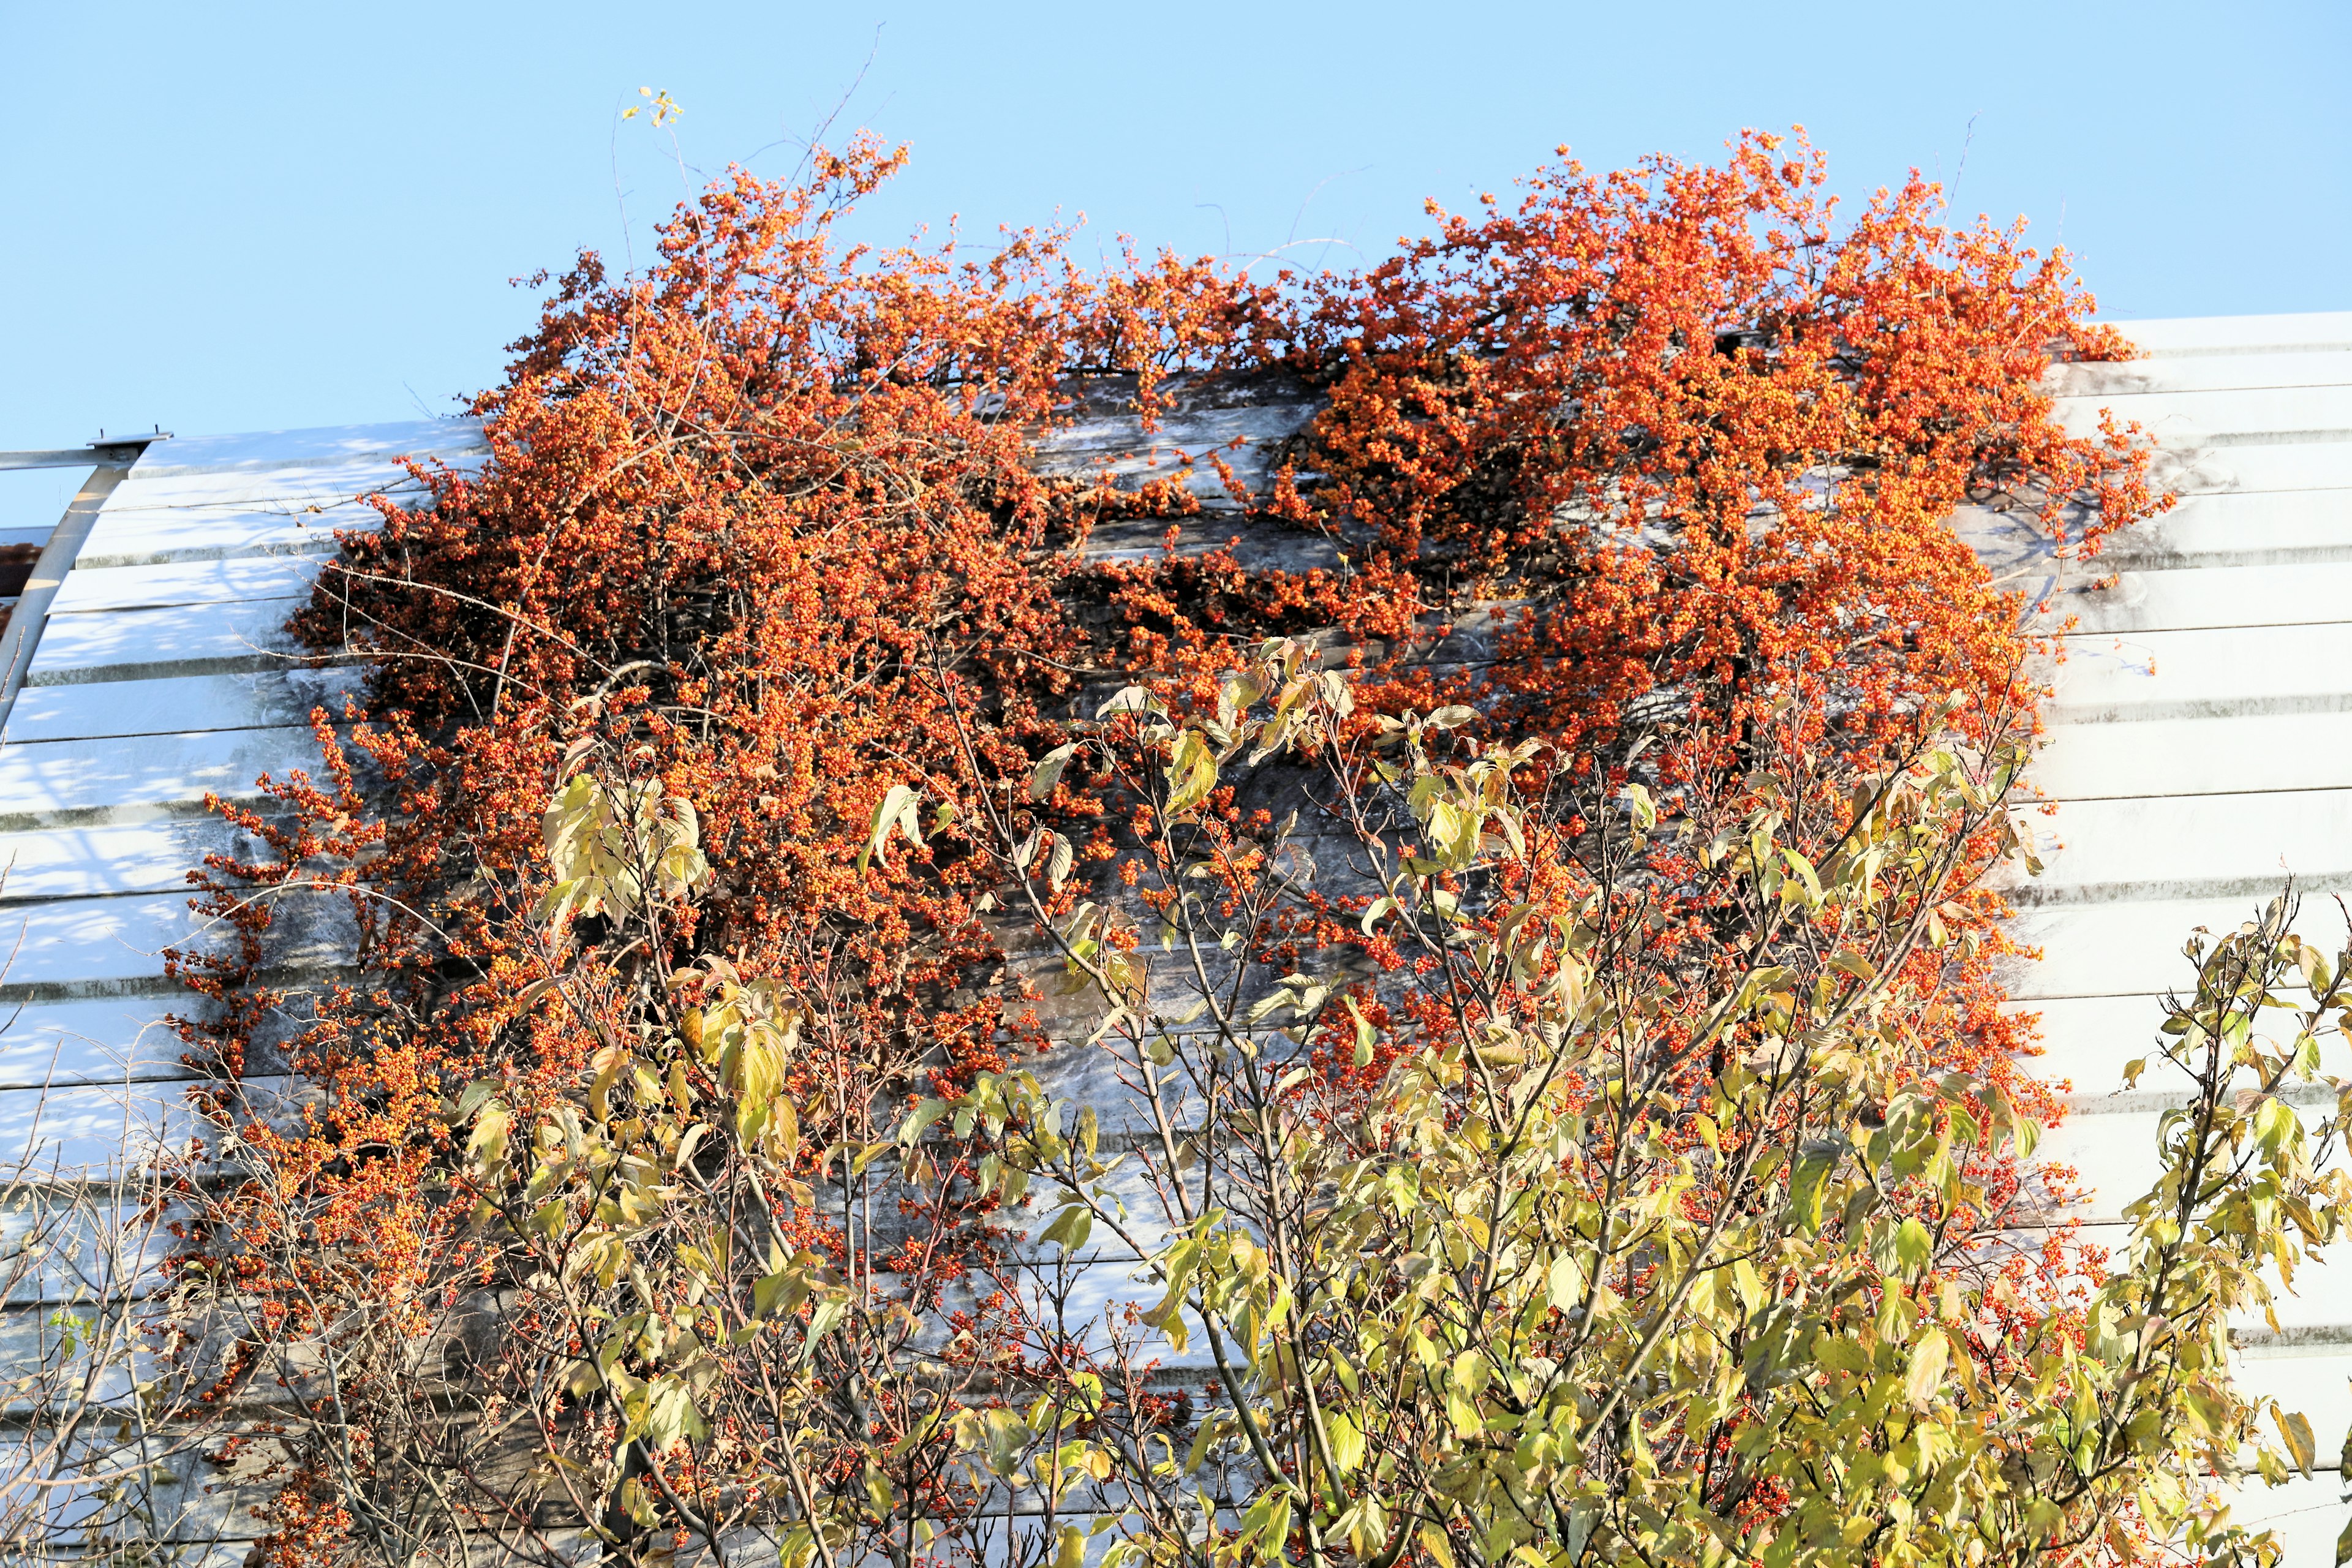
point(241, 217)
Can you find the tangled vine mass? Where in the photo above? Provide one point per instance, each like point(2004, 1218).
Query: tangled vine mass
point(753, 754)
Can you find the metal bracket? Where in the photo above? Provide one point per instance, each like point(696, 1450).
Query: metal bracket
point(110, 462)
point(123, 449)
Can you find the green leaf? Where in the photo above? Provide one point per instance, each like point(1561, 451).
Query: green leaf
point(783, 1291)
point(919, 1119)
point(2025, 1134)
point(1845, 961)
point(1365, 1034)
point(670, 1415)
point(1805, 1191)
point(1913, 1244)
point(1070, 1227)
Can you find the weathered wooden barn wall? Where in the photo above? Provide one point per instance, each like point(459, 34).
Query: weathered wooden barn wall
point(2200, 749)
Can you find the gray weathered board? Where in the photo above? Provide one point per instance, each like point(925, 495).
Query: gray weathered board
point(2199, 748)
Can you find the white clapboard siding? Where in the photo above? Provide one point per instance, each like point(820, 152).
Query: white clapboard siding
point(105, 859)
point(2120, 383)
point(166, 533)
point(1246, 439)
point(259, 700)
point(2211, 673)
point(163, 675)
point(2238, 530)
point(178, 640)
point(122, 778)
point(2180, 419)
point(2199, 751)
point(110, 1040)
point(2245, 465)
point(186, 582)
point(2218, 754)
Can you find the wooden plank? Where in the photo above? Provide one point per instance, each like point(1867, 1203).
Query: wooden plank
point(1120, 449)
point(79, 1128)
point(2238, 334)
point(106, 859)
point(2212, 672)
point(107, 1132)
point(2152, 844)
point(2114, 1156)
point(187, 582)
point(2254, 753)
point(2306, 1513)
point(2238, 530)
point(1258, 543)
point(2257, 468)
point(180, 704)
point(325, 444)
point(181, 639)
point(2194, 597)
point(2129, 379)
point(31, 1337)
point(104, 1040)
point(128, 778)
point(2086, 1040)
point(145, 540)
point(2190, 418)
point(2314, 1380)
point(96, 947)
point(2131, 948)
point(194, 496)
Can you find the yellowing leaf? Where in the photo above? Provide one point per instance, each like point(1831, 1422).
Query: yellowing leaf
point(1564, 1284)
point(1048, 771)
point(895, 813)
point(1929, 1358)
point(1191, 774)
point(2297, 1430)
point(1347, 1443)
